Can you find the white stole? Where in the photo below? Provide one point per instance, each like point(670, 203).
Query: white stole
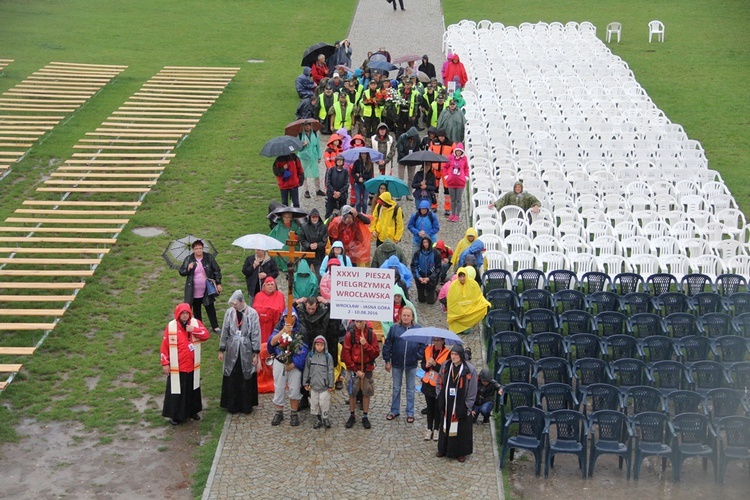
point(174, 360)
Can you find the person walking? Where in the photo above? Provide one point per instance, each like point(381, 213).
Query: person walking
point(198, 268)
point(180, 361)
point(239, 348)
point(310, 156)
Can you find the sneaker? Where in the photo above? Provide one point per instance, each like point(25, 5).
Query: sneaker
point(195, 416)
point(319, 192)
point(307, 194)
point(327, 423)
point(278, 418)
point(294, 419)
point(217, 329)
point(435, 435)
point(318, 424)
point(447, 213)
point(350, 423)
point(428, 435)
point(366, 423)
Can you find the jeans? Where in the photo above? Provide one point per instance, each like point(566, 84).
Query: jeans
point(295, 197)
point(485, 408)
point(360, 195)
point(410, 374)
point(457, 196)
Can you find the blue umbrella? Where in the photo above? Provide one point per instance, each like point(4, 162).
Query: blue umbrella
point(381, 65)
point(396, 186)
point(426, 334)
point(351, 155)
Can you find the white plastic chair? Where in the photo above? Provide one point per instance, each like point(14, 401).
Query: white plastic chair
point(582, 263)
point(491, 226)
point(710, 265)
point(493, 242)
point(494, 259)
point(733, 220)
point(675, 264)
point(598, 228)
point(515, 226)
point(645, 264)
point(685, 229)
point(740, 264)
point(656, 28)
point(656, 229)
point(511, 212)
point(483, 198)
point(571, 227)
point(484, 213)
point(614, 264)
point(695, 247)
point(546, 243)
point(627, 229)
point(606, 245)
point(522, 259)
point(549, 261)
point(726, 249)
point(635, 245)
point(666, 245)
point(518, 242)
point(573, 243)
point(542, 227)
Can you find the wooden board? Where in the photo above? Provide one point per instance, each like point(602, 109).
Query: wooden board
point(36, 298)
point(48, 250)
point(10, 368)
point(24, 285)
point(49, 262)
point(32, 312)
point(48, 273)
point(17, 351)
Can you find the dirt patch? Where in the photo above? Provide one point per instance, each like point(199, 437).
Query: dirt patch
point(64, 460)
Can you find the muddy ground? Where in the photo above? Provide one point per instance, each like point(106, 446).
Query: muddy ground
point(610, 483)
point(63, 460)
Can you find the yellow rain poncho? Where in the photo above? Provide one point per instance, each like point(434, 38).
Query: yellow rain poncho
point(466, 304)
point(463, 245)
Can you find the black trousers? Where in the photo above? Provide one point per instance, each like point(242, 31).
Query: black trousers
point(210, 310)
point(400, 2)
point(426, 293)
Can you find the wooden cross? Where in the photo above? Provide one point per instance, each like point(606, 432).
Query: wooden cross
point(291, 256)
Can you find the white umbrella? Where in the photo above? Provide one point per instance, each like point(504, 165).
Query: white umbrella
point(258, 242)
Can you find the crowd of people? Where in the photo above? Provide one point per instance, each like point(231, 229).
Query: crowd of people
point(303, 356)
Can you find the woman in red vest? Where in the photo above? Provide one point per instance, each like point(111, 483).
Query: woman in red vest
point(434, 357)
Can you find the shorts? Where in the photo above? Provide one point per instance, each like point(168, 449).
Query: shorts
point(367, 384)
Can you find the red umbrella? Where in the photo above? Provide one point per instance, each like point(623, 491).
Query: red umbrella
point(295, 128)
point(403, 59)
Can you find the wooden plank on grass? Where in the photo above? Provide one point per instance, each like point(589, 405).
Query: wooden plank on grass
point(65, 203)
point(19, 229)
point(26, 326)
point(47, 272)
point(17, 351)
point(45, 239)
point(32, 312)
point(49, 262)
point(48, 220)
point(10, 368)
point(73, 212)
point(55, 250)
point(29, 285)
point(92, 190)
point(36, 298)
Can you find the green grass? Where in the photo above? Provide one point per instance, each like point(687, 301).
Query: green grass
point(699, 77)
point(104, 354)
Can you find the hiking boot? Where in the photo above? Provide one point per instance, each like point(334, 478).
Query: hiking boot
point(486, 419)
point(350, 423)
point(318, 424)
point(366, 423)
point(327, 423)
point(307, 194)
point(294, 419)
point(278, 418)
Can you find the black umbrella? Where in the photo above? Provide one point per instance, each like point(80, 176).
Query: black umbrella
point(381, 65)
point(281, 146)
point(313, 51)
point(177, 250)
point(419, 157)
point(276, 214)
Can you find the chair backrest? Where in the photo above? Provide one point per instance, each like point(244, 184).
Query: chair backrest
point(508, 343)
point(693, 283)
point(740, 374)
point(531, 422)
point(496, 278)
point(503, 300)
point(603, 397)
point(677, 402)
point(669, 375)
point(612, 424)
point(629, 372)
point(570, 425)
point(723, 402)
point(738, 303)
point(691, 429)
point(556, 396)
point(529, 278)
point(706, 302)
point(553, 370)
point(657, 348)
point(611, 323)
point(644, 399)
point(731, 348)
point(716, 324)
point(625, 283)
point(707, 375)
point(583, 345)
point(694, 348)
point(566, 300)
point(729, 284)
point(660, 283)
point(595, 281)
point(590, 371)
point(520, 369)
point(637, 302)
point(652, 427)
point(644, 325)
point(577, 321)
point(517, 394)
point(536, 298)
point(498, 321)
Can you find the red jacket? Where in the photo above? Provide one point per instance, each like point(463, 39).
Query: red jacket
point(185, 340)
point(291, 164)
point(353, 352)
point(455, 68)
point(318, 72)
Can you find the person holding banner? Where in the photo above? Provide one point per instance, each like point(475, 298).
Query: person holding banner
point(181, 362)
point(456, 392)
point(401, 358)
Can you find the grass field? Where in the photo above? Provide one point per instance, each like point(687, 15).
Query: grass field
point(103, 356)
point(700, 76)
point(217, 186)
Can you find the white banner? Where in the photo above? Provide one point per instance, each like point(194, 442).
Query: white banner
point(362, 293)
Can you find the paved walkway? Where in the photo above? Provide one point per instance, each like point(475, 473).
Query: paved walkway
point(391, 459)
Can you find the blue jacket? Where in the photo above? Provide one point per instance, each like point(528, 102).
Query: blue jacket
point(428, 223)
point(304, 84)
point(300, 357)
point(399, 352)
point(474, 249)
point(403, 270)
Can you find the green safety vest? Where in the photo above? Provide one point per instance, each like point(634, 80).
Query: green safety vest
point(367, 109)
point(346, 122)
point(434, 115)
point(323, 108)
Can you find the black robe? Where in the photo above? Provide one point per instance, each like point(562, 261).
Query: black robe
point(462, 443)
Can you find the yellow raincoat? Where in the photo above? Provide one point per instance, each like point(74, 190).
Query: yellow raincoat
point(466, 304)
point(463, 245)
point(387, 219)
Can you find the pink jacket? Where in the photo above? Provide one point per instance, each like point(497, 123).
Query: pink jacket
point(457, 170)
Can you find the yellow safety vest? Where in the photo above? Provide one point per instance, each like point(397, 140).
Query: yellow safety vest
point(323, 108)
point(367, 109)
point(412, 102)
point(340, 121)
point(434, 115)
